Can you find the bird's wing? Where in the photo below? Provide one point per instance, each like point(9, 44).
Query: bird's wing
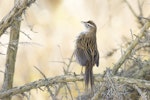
point(82, 52)
point(83, 41)
point(81, 56)
point(96, 58)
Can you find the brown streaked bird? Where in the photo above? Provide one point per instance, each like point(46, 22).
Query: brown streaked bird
point(86, 51)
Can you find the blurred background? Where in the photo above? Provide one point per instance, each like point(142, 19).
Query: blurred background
point(53, 26)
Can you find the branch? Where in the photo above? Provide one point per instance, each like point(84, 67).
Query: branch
point(16, 11)
point(130, 48)
point(138, 17)
point(50, 92)
point(140, 7)
point(143, 94)
point(11, 55)
point(39, 83)
point(13, 19)
point(130, 7)
point(71, 78)
point(131, 81)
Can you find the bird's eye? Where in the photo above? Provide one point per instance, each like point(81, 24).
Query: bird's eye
point(89, 25)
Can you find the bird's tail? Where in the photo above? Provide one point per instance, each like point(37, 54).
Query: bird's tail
point(89, 77)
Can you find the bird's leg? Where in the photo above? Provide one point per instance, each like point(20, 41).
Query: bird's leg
point(82, 70)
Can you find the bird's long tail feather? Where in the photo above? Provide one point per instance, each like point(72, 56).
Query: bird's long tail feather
point(89, 77)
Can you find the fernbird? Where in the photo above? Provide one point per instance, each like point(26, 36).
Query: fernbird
point(86, 52)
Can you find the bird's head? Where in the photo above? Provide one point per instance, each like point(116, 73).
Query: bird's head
point(90, 25)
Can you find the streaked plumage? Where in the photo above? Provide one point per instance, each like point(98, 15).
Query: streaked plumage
point(86, 51)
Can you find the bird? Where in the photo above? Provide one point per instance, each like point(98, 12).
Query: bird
point(86, 52)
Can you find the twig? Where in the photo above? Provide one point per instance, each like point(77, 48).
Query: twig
point(145, 18)
point(130, 48)
point(131, 34)
point(145, 45)
point(143, 95)
point(70, 61)
point(131, 8)
point(138, 17)
point(69, 91)
point(66, 71)
point(10, 17)
point(26, 35)
point(110, 81)
point(77, 88)
point(2, 71)
point(71, 78)
point(52, 95)
point(59, 62)
point(22, 43)
point(140, 8)
point(26, 95)
point(2, 53)
point(58, 89)
point(12, 52)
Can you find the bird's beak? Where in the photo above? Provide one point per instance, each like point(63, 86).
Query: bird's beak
point(83, 22)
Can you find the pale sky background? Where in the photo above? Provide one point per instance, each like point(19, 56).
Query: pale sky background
point(56, 24)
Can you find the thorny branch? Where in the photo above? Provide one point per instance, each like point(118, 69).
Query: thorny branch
point(143, 94)
point(40, 83)
point(10, 17)
point(130, 48)
point(137, 16)
point(136, 83)
point(13, 20)
point(130, 7)
point(70, 78)
point(49, 90)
